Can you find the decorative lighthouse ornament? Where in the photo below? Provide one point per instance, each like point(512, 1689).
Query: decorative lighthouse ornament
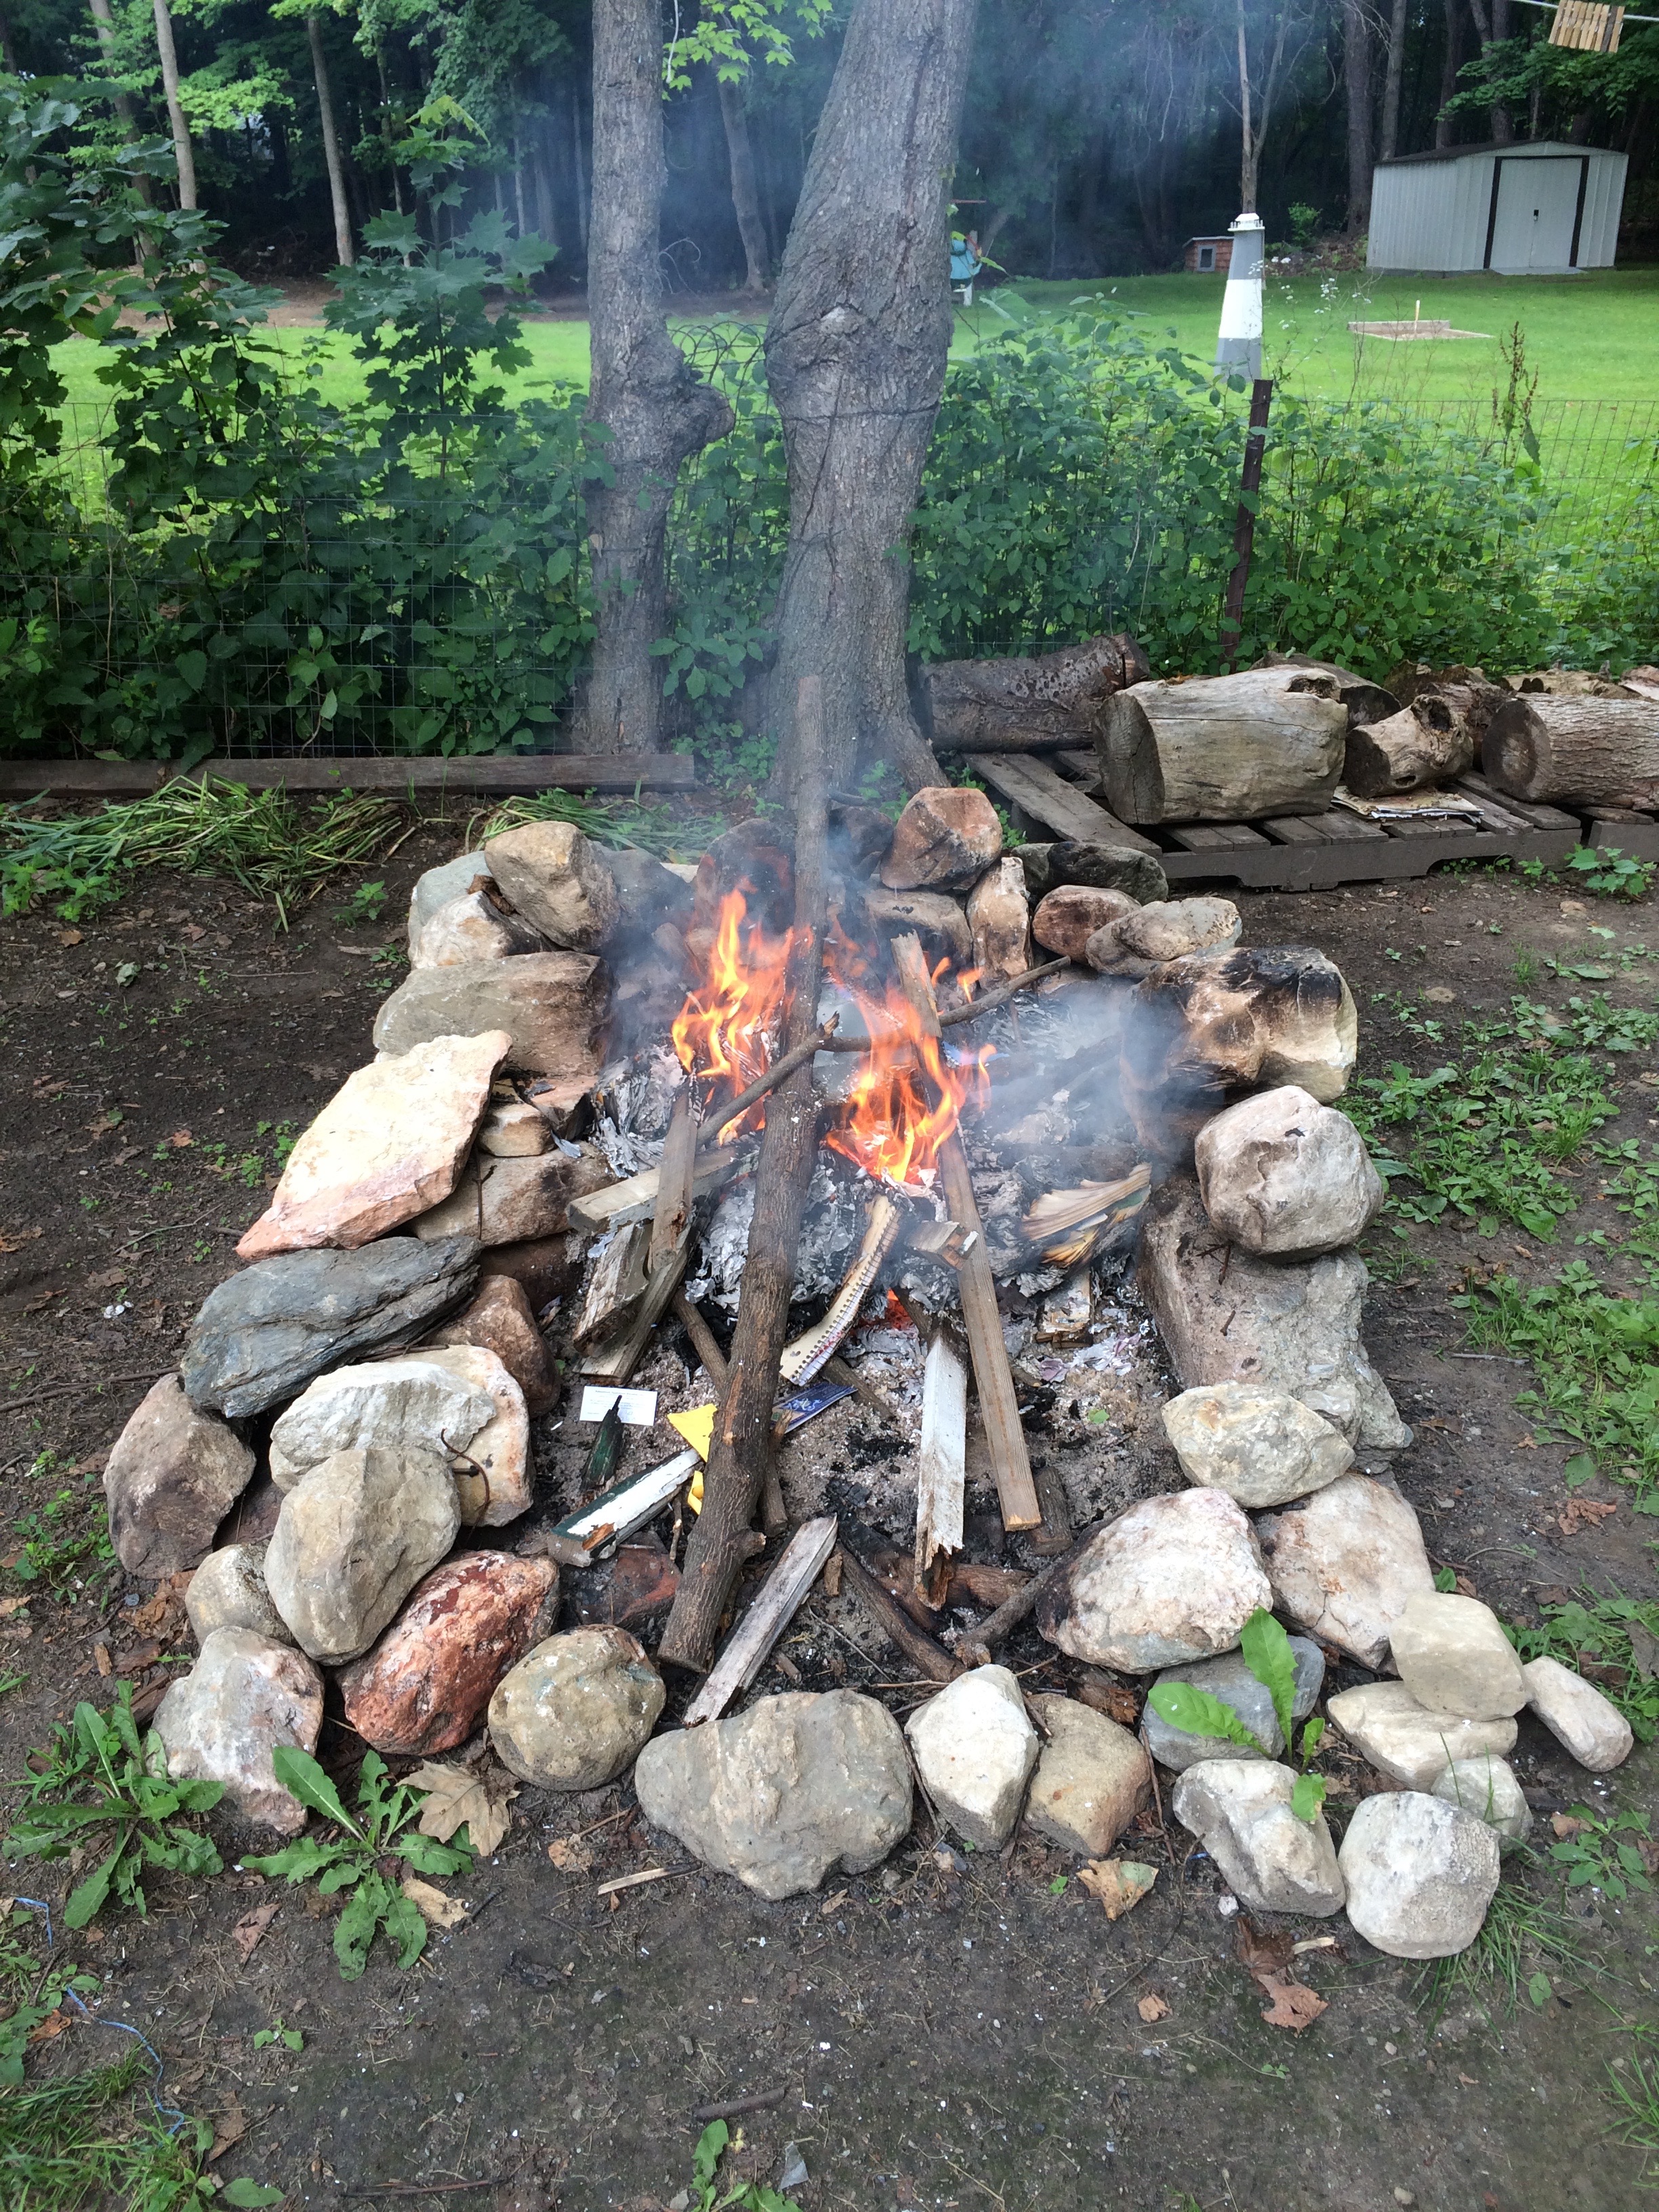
point(1238, 346)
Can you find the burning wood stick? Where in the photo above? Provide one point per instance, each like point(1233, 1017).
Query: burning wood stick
point(970, 1012)
point(807, 1354)
point(820, 1040)
point(928, 1657)
point(742, 1444)
point(753, 1637)
point(998, 1406)
point(702, 1340)
point(941, 1466)
point(668, 1249)
point(979, 1644)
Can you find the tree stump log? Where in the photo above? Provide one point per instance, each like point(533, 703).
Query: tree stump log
point(1586, 751)
point(1224, 748)
point(1428, 742)
point(1022, 705)
point(1365, 702)
point(1469, 692)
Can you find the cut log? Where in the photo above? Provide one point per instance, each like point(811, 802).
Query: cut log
point(980, 1642)
point(777, 1606)
point(1224, 748)
point(941, 1465)
point(741, 1448)
point(1428, 742)
point(1026, 705)
point(1469, 692)
point(1365, 702)
point(1586, 751)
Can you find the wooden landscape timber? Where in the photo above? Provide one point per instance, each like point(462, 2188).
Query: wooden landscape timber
point(1428, 742)
point(502, 774)
point(1582, 750)
point(1022, 705)
point(1224, 748)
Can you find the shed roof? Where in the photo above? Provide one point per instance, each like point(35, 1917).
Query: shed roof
point(1509, 150)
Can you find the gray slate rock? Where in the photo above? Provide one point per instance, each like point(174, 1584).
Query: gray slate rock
point(245, 1698)
point(1420, 1874)
point(1228, 1678)
point(554, 1006)
point(573, 1712)
point(1101, 867)
point(260, 1337)
point(1240, 1811)
point(354, 1536)
point(780, 1794)
point(170, 1479)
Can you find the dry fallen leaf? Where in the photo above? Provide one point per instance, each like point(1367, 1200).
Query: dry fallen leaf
point(433, 1907)
point(1565, 1825)
point(181, 1140)
point(68, 937)
point(13, 1240)
point(1294, 2005)
point(53, 2025)
point(101, 1653)
point(228, 2130)
point(245, 1935)
point(478, 1800)
point(1263, 1951)
point(1152, 2007)
point(570, 1855)
point(1583, 1513)
point(1119, 1884)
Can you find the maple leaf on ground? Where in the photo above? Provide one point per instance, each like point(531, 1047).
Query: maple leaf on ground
point(460, 1797)
point(1294, 2005)
point(245, 1935)
point(1118, 1883)
point(1153, 2008)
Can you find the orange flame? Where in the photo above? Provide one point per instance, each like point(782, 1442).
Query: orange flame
point(727, 1029)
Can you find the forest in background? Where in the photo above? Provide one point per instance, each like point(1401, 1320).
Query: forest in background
point(1097, 135)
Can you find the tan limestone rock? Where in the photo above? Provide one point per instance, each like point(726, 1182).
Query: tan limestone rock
point(558, 880)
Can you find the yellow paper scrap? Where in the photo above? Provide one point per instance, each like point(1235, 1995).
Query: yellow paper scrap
point(696, 1426)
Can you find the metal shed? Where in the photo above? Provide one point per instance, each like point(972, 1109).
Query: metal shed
point(1538, 209)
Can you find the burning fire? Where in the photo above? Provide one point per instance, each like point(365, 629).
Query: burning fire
point(889, 1125)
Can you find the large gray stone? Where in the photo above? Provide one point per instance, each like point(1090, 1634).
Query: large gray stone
point(554, 1006)
point(1285, 1176)
point(1453, 1655)
point(559, 881)
point(574, 1711)
point(1345, 1563)
point(1240, 1811)
point(229, 1590)
point(173, 1475)
point(1172, 1579)
point(1228, 1678)
point(1092, 1780)
point(1420, 1875)
point(388, 1145)
point(260, 1337)
point(1262, 1447)
point(780, 1794)
point(450, 879)
point(246, 1698)
point(1102, 867)
point(1588, 1725)
point(647, 894)
point(1411, 1743)
point(1487, 1787)
point(1136, 942)
point(1227, 1316)
point(354, 1536)
point(974, 1750)
point(411, 1404)
point(473, 928)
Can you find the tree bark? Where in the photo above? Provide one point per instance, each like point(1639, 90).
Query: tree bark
point(104, 21)
point(1019, 705)
point(1356, 81)
point(1451, 62)
point(9, 51)
point(1503, 122)
point(182, 151)
point(643, 392)
point(740, 1450)
point(855, 356)
point(337, 185)
point(1393, 79)
point(1224, 748)
point(1590, 752)
point(1428, 742)
point(746, 196)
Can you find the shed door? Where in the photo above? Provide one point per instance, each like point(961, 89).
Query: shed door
point(1534, 213)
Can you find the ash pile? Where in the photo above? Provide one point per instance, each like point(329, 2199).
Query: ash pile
point(688, 1294)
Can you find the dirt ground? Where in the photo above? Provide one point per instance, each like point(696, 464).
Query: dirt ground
point(554, 2050)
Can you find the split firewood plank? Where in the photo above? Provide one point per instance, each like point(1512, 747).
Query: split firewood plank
point(741, 1448)
point(635, 1198)
point(616, 1285)
point(752, 1641)
point(885, 1610)
point(999, 1403)
point(669, 1247)
point(941, 1465)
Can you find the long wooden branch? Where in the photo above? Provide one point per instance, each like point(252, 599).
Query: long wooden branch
point(928, 1657)
point(780, 1070)
point(970, 1012)
point(979, 1644)
point(740, 1450)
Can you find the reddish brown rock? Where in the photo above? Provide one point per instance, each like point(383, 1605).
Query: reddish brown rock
point(944, 839)
point(424, 1686)
point(1069, 917)
point(500, 1320)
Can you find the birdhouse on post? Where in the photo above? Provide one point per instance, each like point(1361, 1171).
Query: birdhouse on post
point(1238, 346)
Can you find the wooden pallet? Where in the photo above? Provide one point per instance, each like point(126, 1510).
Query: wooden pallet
point(1058, 795)
point(1622, 829)
point(484, 772)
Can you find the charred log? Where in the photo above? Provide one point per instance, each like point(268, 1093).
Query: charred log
point(1022, 705)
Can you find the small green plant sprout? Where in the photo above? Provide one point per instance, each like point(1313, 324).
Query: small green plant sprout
point(103, 1783)
point(351, 1858)
point(31, 1990)
point(1266, 1652)
point(365, 906)
point(289, 2037)
point(744, 2196)
point(1591, 1851)
point(1610, 873)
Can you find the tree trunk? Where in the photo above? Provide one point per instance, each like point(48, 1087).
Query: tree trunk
point(1224, 748)
point(181, 146)
point(579, 169)
point(1503, 122)
point(745, 198)
point(1590, 752)
point(9, 52)
point(104, 21)
point(855, 355)
point(337, 185)
point(1022, 705)
point(1356, 79)
point(1451, 62)
point(1428, 742)
point(644, 394)
point(1392, 78)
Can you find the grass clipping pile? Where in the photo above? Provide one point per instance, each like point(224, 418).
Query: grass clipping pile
point(873, 1121)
